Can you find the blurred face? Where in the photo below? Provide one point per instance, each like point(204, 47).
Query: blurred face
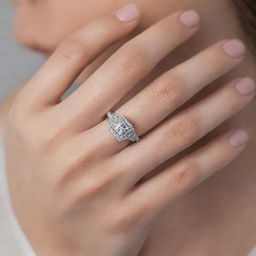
point(42, 24)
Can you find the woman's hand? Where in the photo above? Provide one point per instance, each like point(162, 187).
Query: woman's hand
point(74, 187)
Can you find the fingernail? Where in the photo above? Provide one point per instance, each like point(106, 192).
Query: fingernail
point(190, 18)
point(239, 138)
point(246, 86)
point(128, 12)
point(234, 48)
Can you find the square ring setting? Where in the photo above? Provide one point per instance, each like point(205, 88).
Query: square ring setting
point(121, 128)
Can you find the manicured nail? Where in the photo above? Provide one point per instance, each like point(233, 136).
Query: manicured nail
point(238, 138)
point(246, 86)
point(128, 12)
point(190, 18)
point(234, 48)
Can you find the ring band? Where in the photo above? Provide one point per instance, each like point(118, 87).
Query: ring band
point(121, 128)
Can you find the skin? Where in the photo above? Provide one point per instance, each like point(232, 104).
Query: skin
point(210, 222)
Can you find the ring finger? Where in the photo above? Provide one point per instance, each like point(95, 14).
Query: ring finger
point(174, 88)
point(184, 129)
point(157, 193)
point(124, 69)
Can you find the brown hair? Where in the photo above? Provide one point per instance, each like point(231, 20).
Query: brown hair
point(247, 14)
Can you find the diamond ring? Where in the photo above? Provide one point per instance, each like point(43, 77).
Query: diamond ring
point(121, 128)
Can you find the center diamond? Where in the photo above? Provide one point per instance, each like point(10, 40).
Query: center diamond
point(121, 128)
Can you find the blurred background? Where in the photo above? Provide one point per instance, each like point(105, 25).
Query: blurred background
point(16, 63)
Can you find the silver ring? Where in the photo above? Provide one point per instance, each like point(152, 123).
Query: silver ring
point(121, 128)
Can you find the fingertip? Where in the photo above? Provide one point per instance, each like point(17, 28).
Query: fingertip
point(238, 138)
point(190, 19)
point(234, 48)
point(127, 13)
point(245, 86)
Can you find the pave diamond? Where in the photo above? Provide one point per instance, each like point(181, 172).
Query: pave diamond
point(121, 128)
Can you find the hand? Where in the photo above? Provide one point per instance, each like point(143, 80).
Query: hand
point(74, 187)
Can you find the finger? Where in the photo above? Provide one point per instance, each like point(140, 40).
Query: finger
point(177, 86)
point(158, 192)
point(122, 71)
point(173, 89)
point(184, 129)
point(76, 52)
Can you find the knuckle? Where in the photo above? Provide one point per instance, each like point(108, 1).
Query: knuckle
point(133, 60)
point(18, 112)
point(98, 29)
point(79, 162)
point(169, 91)
point(88, 184)
point(72, 169)
point(94, 186)
point(178, 83)
point(185, 129)
point(124, 221)
point(51, 133)
point(23, 128)
point(19, 125)
point(15, 117)
point(74, 164)
point(101, 26)
point(48, 137)
point(186, 176)
point(72, 49)
point(89, 188)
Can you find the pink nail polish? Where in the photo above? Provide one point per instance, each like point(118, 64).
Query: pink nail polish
point(128, 12)
point(238, 138)
point(246, 86)
point(190, 19)
point(234, 48)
